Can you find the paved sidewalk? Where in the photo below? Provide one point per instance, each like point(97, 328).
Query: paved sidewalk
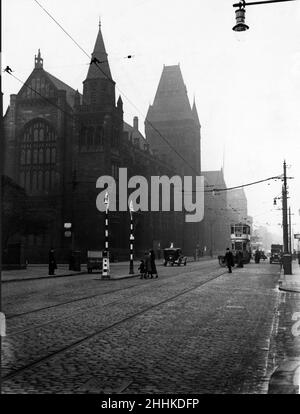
point(286, 378)
point(290, 283)
point(119, 270)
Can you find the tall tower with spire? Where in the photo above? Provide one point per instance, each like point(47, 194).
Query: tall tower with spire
point(99, 87)
point(99, 130)
point(173, 130)
point(172, 126)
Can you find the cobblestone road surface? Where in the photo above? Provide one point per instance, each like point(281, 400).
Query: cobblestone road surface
point(195, 329)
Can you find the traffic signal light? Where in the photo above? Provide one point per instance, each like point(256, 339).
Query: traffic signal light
point(67, 229)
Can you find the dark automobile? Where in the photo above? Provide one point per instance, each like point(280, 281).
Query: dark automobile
point(275, 257)
point(276, 253)
point(174, 256)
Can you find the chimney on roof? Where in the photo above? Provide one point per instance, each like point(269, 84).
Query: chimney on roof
point(136, 123)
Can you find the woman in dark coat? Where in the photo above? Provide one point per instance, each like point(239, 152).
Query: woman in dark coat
point(153, 266)
point(52, 262)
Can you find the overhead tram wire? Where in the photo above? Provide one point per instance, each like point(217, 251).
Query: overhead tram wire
point(216, 190)
point(121, 92)
point(155, 129)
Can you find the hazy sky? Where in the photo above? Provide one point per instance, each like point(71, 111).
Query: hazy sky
point(247, 91)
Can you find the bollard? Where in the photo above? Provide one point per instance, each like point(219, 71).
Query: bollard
point(105, 268)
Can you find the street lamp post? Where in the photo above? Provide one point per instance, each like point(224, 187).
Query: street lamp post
point(240, 12)
point(287, 258)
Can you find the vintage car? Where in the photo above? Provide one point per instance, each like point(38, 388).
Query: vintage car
point(276, 253)
point(174, 256)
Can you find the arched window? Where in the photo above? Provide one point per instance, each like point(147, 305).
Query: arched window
point(48, 155)
point(22, 179)
point(53, 155)
point(82, 137)
point(37, 146)
point(28, 156)
point(35, 156)
point(34, 181)
point(40, 181)
point(27, 181)
point(90, 137)
point(41, 156)
point(22, 160)
point(47, 180)
point(99, 137)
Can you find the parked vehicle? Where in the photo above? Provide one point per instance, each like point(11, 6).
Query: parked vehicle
point(174, 256)
point(94, 260)
point(276, 253)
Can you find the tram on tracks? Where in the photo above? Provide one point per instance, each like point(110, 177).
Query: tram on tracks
point(240, 242)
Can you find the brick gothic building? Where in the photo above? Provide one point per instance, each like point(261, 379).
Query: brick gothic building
point(59, 142)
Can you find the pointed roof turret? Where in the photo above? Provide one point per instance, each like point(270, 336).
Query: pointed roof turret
point(99, 67)
point(38, 61)
point(195, 113)
point(120, 102)
point(171, 101)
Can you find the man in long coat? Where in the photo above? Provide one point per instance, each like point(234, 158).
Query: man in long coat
point(229, 260)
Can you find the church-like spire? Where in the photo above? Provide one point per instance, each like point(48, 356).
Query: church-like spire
point(38, 61)
point(99, 67)
point(99, 87)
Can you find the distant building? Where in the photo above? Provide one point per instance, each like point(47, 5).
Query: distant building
point(237, 203)
point(215, 229)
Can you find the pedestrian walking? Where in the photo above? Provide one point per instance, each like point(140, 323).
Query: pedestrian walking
point(240, 259)
point(142, 269)
point(148, 267)
point(257, 256)
point(152, 262)
point(229, 260)
point(52, 262)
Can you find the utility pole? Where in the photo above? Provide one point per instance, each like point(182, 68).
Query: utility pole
point(290, 232)
point(287, 262)
point(2, 316)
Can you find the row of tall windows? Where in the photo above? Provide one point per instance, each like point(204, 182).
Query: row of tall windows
point(38, 157)
point(91, 138)
point(38, 131)
point(35, 181)
point(37, 87)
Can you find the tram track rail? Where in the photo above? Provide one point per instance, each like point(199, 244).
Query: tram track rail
point(18, 332)
point(74, 344)
point(16, 315)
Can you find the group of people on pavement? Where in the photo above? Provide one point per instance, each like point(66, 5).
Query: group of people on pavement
point(147, 266)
